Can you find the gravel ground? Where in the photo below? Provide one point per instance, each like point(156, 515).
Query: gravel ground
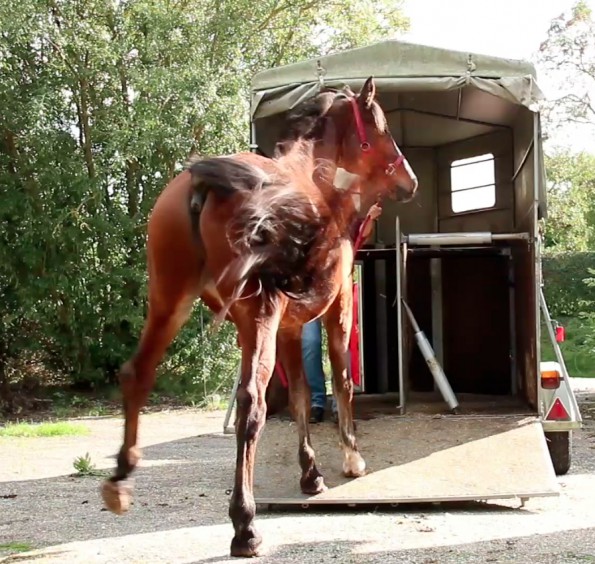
point(182, 494)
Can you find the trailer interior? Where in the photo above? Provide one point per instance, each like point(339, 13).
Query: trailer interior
point(475, 300)
point(474, 296)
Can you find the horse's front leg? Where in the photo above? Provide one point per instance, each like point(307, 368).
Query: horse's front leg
point(338, 322)
point(290, 354)
point(257, 333)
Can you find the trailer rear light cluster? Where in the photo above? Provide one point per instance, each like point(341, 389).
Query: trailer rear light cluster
point(550, 379)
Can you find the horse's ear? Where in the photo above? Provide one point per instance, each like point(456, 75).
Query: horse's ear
point(368, 92)
point(348, 90)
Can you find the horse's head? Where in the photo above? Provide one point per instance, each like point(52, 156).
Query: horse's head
point(369, 150)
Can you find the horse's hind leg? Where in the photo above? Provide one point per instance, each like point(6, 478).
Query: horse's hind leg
point(257, 334)
point(290, 353)
point(338, 325)
point(167, 313)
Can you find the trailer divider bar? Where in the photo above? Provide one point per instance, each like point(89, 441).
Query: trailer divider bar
point(471, 238)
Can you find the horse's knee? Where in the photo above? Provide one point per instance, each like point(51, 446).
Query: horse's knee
point(347, 385)
point(136, 380)
point(127, 379)
point(251, 411)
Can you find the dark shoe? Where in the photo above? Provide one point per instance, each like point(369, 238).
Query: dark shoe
point(316, 415)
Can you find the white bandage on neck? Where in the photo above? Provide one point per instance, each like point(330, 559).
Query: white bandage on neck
point(343, 181)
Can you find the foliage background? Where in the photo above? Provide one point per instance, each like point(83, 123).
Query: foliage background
point(101, 103)
point(567, 59)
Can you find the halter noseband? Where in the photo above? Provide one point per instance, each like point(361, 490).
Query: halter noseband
point(365, 146)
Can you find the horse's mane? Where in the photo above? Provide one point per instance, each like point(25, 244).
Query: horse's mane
point(305, 120)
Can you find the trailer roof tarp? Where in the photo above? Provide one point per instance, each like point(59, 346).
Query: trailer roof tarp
point(397, 67)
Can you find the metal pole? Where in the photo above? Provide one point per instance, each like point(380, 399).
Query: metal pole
point(470, 238)
point(401, 335)
point(436, 278)
point(537, 282)
point(433, 364)
point(512, 325)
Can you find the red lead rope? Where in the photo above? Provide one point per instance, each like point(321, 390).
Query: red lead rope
point(359, 240)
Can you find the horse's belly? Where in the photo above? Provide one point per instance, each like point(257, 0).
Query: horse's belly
point(329, 289)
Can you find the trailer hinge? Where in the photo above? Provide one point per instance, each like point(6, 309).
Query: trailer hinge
point(320, 72)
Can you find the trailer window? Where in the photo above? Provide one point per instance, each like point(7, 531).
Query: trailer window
point(473, 184)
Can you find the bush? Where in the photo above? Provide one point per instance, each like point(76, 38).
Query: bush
point(566, 289)
point(569, 286)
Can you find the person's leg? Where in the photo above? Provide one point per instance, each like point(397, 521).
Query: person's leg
point(312, 355)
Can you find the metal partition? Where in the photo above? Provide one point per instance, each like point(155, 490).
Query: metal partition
point(435, 246)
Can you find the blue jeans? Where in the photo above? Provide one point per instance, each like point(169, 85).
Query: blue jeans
point(312, 357)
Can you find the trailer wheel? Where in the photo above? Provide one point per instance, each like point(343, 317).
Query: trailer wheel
point(559, 444)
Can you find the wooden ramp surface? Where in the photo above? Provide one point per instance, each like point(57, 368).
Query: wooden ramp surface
point(412, 459)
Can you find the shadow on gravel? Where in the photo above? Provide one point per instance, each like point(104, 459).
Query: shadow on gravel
point(183, 484)
point(570, 547)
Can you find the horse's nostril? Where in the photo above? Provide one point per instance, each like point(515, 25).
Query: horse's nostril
point(405, 194)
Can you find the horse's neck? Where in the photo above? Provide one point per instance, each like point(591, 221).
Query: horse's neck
point(309, 154)
point(339, 188)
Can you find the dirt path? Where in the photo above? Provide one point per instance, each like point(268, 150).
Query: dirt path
point(180, 510)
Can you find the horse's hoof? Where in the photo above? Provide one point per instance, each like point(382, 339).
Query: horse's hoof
point(247, 545)
point(313, 485)
point(354, 465)
point(117, 496)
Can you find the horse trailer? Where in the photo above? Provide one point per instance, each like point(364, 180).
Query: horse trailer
point(462, 264)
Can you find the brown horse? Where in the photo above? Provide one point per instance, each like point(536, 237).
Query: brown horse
point(265, 243)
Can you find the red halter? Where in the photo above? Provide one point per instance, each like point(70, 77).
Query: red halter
point(365, 146)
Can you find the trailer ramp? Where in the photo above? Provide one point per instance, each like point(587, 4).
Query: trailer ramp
point(413, 459)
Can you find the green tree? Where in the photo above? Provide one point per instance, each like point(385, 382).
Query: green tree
point(102, 103)
point(571, 202)
point(567, 58)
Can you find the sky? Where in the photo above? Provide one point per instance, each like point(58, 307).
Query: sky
point(504, 28)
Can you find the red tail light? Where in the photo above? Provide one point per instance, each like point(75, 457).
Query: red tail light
point(560, 334)
point(558, 412)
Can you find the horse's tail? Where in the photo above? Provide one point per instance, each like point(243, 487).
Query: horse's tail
point(276, 233)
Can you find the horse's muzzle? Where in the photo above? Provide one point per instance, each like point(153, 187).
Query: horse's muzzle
point(406, 193)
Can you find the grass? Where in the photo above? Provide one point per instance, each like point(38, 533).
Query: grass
point(84, 466)
point(57, 429)
point(578, 349)
point(16, 546)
